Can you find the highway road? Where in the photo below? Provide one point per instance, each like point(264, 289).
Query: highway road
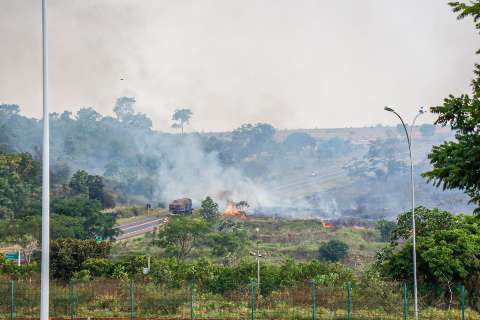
point(139, 227)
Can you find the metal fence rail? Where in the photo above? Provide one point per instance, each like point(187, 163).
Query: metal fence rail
point(142, 300)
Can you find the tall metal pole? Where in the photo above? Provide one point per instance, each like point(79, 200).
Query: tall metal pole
point(414, 253)
point(45, 281)
point(258, 263)
point(412, 182)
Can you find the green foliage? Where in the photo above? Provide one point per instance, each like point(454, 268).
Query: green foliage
point(89, 212)
point(209, 210)
point(14, 271)
point(19, 185)
point(181, 235)
point(91, 185)
point(63, 226)
point(229, 242)
point(385, 228)
point(81, 276)
point(447, 250)
point(456, 164)
point(67, 256)
point(333, 250)
point(98, 267)
point(75, 215)
point(426, 222)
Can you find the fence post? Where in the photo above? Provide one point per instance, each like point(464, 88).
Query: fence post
point(71, 301)
point(314, 300)
point(349, 286)
point(252, 300)
point(405, 305)
point(12, 299)
point(462, 305)
point(190, 295)
point(132, 300)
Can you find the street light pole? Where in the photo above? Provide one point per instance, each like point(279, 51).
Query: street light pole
point(258, 262)
point(408, 134)
point(44, 277)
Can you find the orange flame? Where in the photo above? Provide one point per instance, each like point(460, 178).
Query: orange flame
point(327, 225)
point(231, 211)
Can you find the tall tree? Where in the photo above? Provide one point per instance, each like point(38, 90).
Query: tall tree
point(209, 210)
point(456, 164)
point(124, 107)
point(181, 235)
point(181, 117)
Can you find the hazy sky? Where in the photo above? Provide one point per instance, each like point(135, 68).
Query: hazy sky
point(295, 63)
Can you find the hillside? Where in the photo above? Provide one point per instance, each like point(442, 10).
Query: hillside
point(280, 239)
point(324, 173)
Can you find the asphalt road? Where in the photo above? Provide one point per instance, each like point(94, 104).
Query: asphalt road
point(139, 227)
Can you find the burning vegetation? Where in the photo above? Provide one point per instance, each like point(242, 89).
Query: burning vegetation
point(232, 211)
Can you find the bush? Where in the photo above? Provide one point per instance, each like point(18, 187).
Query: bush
point(333, 250)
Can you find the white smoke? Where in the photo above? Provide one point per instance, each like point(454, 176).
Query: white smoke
point(188, 171)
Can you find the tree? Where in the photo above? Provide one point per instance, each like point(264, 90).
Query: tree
point(298, 141)
point(209, 210)
point(60, 173)
point(426, 222)
point(91, 185)
point(88, 212)
point(181, 235)
point(229, 241)
point(251, 139)
point(447, 252)
point(88, 115)
point(19, 185)
point(79, 182)
point(242, 205)
point(380, 162)
point(456, 163)
point(67, 256)
point(124, 107)
point(333, 250)
point(181, 117)
point(385, 228)
point(334, 147)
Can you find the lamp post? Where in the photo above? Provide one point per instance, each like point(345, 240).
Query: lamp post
point(258, 256)
point(408, 134)
point(45, 281)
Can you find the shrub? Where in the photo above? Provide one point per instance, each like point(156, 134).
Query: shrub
point(333, 250)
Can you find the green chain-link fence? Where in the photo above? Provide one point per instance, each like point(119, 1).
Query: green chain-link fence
point(308, 300)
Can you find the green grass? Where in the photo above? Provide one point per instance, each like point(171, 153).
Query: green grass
point(279, 239)
point(300, 239)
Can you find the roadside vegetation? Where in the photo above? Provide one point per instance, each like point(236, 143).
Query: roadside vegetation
point(213, 257)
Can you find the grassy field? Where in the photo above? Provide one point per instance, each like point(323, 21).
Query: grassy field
point(279, 239)
point(300, 239)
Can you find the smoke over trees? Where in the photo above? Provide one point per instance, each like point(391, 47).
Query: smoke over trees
point(275, 174)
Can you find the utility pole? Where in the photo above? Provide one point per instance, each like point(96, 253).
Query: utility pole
point(45, 281)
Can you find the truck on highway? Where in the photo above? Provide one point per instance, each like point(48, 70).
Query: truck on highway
point(181, 206)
